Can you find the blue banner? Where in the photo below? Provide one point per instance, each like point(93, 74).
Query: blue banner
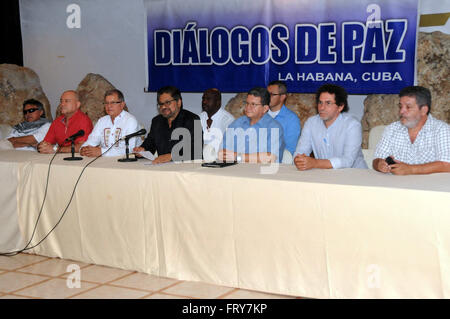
point(364, 46)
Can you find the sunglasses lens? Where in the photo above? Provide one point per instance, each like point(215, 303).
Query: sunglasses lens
point(29, 111)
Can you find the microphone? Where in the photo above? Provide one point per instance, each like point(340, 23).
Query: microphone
point(140, 132)
point(74, 136)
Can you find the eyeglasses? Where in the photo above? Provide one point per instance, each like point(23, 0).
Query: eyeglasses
point(326, 103)
point(167, 103)
point(112, 102)
point(253, 105)
point(30, 111)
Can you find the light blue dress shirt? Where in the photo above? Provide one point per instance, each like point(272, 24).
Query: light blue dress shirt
point(264, 136)
point(291, 127)
point(340, 143)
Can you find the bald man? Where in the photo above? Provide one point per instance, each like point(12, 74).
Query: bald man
point(70, 122)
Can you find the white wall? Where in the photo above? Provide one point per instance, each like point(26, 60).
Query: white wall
point(111, 42)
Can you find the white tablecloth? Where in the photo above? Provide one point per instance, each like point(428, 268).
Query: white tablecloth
point(322, 233)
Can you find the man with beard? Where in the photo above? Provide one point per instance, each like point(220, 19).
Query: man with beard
point(417, 143)
point(214, 119)
point(172, 116)
point(334, 136)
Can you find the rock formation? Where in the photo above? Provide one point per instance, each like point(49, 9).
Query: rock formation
point(91, 91)
point(433, 55)
point(18, 84)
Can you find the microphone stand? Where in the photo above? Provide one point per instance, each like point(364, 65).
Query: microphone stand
point(127, 152)
point(72, 149)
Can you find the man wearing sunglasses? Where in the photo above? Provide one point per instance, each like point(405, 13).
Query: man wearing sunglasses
point(26, 135)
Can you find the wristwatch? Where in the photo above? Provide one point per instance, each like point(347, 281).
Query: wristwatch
point(239, 158)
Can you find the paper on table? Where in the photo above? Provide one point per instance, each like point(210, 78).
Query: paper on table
point(147, 155)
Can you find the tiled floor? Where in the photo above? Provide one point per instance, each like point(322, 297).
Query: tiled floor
point(32, 276)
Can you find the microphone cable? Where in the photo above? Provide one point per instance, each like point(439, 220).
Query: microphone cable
point(16, 252)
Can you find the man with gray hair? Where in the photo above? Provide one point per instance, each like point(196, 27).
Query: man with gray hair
point(417, 143)
point(110, 128)
point(255, 137)
point(26, 135)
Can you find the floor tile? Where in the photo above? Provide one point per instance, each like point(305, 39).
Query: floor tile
point(19, 261)
point(109, 292)
point(52, 267)
point(144, 281)
point(101, 274)
point(56, 288)
point(249, 294)
point(197, 290)
point(164, 296)
point(12, 281)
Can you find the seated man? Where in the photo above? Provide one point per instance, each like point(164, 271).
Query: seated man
point(172, 123)
point(288, 119)
point(110, 128)
point(418, 143)
point(255, 137)
point(26, 135)
point(214, 119)
point(333, 136)
point(70, 122)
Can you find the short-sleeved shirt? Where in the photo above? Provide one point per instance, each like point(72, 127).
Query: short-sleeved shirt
point(340, 143)
point(38, 134)
point(432, 144)
point(59, 131)
point(106, 133)
point(266, 135)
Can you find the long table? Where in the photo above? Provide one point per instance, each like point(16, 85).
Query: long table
point(346, 233)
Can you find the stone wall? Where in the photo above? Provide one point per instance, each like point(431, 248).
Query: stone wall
point(18, 84)
point(433, 56)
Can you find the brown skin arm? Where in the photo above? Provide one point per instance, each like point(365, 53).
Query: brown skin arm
point(400, 168)
point(380, 165)
point(47, 148)
point(262, 157)
point(303, 162)
point(91, 151)
point(23, 141)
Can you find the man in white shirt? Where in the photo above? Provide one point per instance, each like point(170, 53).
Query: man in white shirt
point(26, 135)
point(417, 143)
point(333, 136)
point(110, 128)
point(214, 119)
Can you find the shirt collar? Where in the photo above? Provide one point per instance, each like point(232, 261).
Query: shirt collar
point(428, 126)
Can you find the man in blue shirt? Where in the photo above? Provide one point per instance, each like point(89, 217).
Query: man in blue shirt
point(255, 137)
point(288, 119)
point(334, 137)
